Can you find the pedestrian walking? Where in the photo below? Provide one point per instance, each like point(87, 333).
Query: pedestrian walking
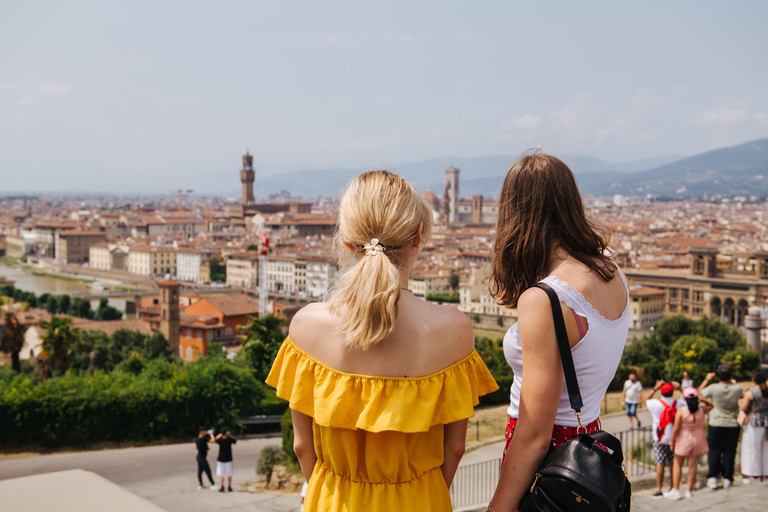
point(631, 395)
point(204, 437)
point(224, 461)
point(723, 429)
point(754, 442)
point(688, 441)
point(667, 407)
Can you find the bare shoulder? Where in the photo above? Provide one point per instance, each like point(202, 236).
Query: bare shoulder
point(309, 321)
point(452, 328)
point(534, 311)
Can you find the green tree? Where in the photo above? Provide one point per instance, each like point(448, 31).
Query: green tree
point(743, 361)
point(81, 308)
point(218, 269)
point(59, 342)
point(453, 282)
point(12, 340)
point(655, 347)
point(692, 353)
point(107, 312)
point(252, 247)
point(261, 338)
point(51, 305)
point(63, 303)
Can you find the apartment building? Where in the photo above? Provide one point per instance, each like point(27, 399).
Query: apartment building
point(148, 260)
point(192, 265)
point(646, 306)
point(320, 274)
point(75, 246)
point(243, 269)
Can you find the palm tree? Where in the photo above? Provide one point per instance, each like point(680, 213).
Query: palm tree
point(59, 342)
point(12, 340)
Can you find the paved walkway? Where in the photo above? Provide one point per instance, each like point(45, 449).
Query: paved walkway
point(747, 498)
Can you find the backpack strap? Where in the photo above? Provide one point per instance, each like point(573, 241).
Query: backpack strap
point(571, 382)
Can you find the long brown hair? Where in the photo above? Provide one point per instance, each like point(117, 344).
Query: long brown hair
point(540, 206)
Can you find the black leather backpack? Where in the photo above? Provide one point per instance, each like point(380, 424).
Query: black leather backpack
point(587, 472)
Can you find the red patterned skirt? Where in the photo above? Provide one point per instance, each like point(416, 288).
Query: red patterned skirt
point(560, 434)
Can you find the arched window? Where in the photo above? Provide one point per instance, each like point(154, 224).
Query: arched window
point(189, 354)
point(228, 331)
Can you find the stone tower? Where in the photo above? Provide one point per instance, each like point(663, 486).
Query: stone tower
point(247, 175)
point(450, 206)
point(169, 314)
point(477, 209)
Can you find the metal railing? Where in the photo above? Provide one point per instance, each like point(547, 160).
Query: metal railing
point(474, 484)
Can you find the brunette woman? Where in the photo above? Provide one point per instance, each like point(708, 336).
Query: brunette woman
point(543, 234)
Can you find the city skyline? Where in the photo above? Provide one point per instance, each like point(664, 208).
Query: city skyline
point(142, 97)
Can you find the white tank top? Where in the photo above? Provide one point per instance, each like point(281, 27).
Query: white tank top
point(595, 357)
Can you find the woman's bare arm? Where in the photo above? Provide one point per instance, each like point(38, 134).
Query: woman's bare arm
point(303, 443)
point(454, 442)
point(676, 430)
point(540, 395)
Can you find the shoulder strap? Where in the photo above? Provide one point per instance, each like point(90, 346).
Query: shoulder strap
point(571, 382)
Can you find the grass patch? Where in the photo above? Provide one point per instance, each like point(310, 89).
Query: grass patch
point(9, 260)
point(62, 277)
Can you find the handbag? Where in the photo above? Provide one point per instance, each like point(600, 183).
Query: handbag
point(587, 472)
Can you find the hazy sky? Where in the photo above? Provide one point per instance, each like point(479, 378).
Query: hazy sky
point(142, 95)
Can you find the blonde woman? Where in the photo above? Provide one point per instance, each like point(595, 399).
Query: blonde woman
point(380, 383)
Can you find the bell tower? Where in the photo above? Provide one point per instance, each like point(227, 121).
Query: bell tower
point(169, 314)
point(247, 176)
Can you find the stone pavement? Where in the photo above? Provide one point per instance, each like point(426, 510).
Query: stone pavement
point(746, 498)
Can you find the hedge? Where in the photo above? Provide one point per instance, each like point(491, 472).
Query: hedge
point(163, 400)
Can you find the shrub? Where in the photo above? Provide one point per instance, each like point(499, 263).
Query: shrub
point(695, 354)
point(286, 426)
point(743, 361)
point(501, 395)
point(162, 400)
point(269, 457)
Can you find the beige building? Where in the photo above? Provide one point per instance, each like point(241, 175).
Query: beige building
point(243, 269)
point(99, 256)
point(423, 285)
point(646, 306)
point(75, 246)
point(147, 260)
point(708, 289)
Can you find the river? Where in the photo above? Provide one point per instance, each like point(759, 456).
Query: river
point(27, 281)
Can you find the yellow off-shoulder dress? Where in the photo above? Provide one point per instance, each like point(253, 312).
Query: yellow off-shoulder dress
point(379, 440)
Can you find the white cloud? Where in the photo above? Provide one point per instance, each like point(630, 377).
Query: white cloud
point(762, 119)
point(527, 122)
point(55, 89)
point(28, 102)
point(725, 114)
point(341, 39)
point(10, 87)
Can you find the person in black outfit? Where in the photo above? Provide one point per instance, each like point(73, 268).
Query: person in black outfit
point(224, 460)
point(203, 438)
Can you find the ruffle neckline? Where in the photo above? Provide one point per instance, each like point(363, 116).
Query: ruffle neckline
point(353, 401)
point(576, 301)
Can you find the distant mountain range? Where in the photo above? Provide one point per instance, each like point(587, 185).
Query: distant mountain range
point(728, 171)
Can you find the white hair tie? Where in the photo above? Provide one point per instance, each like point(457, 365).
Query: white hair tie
point(373, 248)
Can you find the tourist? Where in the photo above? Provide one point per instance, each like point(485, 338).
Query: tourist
point(224, 460)
point(754, 442)
point(543, 234)
point(688, 441)
point(380, 382)
point(686, 382)
point(201, 442)
point(631, 397)
point(661, 430)
point(723, 429)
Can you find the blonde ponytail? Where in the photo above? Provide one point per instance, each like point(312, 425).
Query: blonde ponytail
point(379, 215)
